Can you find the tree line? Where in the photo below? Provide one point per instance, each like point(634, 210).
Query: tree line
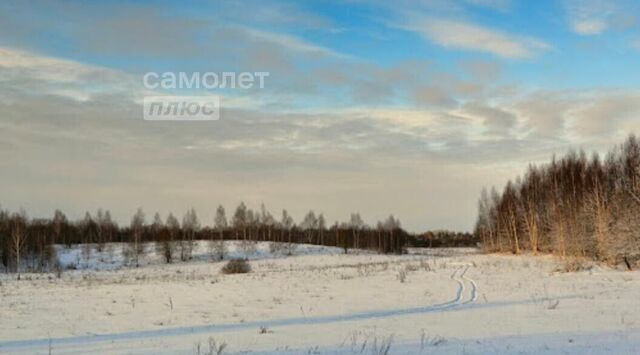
point(444, 239)
point(574, 206)
point(28, 244)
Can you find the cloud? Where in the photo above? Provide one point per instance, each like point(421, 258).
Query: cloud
point(497, 121)
point(578, 116)
point(282, 14)
point(59, 150)
point(100, 149)
point(466, 36)
point(594, 17)
point(602, 115)
point(482, 70)
point(74, 153)
point(433, 96)
point(544, 113)
point(589, 17)
point(43, 67)
point(324, 130)
point(26, 73)
point(126, 33)
point(290, 42)
point(501, 5)
point(589, 27)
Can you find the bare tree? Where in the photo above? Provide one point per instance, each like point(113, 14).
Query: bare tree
point(108, 228)
point(168, 239)
point(190, 226)
point(510, 208)
point(240, 220)
point(380, 229)
point(391, 225)
point(598, 209)
point(341, 236)
point(485, 228)
point(573, 207)
point(308, 225)
point(356, 224)
point(630, 165)
point(89, 230)
point(5, 240)
point(287, 224)
point(267, 221)
point(322, 226)
point(530, 191)
point(136, 247)
point(100, 223)
point(253, 222)
point(159, 234)
point(59, 224)
point(18, 239)
point(220, 223)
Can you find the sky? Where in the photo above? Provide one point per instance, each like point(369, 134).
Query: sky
point(378, 107)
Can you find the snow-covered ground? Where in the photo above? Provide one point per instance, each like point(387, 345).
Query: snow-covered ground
point(320, 301)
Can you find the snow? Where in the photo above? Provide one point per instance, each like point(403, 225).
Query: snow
point(321, 301)
point(112, 255)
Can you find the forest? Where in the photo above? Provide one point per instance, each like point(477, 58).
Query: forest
point(29, 243)
point(575, 206)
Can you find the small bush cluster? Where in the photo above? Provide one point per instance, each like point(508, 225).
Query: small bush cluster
point(236, 266)
point(576, 265)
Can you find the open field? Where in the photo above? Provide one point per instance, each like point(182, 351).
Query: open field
point(321, 301)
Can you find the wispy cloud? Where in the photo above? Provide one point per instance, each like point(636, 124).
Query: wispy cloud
point(466, 36)
point(589, 27)
point(501, 5)
point(43, 67)
point(71, 116)
point(594, 17)
point(290, 42)
point(601, 115)
point(34, 74)
point(589, 17)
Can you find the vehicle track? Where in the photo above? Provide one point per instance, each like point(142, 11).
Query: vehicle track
point(458, 276)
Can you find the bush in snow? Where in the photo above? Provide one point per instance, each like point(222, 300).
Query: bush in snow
point(236, 266)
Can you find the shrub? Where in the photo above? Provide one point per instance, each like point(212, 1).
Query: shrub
point(236, 266)
point(402, 276)
point(576, 265)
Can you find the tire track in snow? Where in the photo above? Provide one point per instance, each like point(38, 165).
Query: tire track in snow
point(474, 287)
point(460, 290)
point(457, 276)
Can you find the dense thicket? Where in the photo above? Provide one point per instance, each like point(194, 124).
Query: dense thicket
point(444, 239)
point(27, 244)
point(573, 206)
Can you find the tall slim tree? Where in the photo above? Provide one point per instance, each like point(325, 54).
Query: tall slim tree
point(136, 246)
point(220, 221)
point(240, 220)
point(220, 224)
point(59, 224)
point(5, 244)
point(322, 226)
point(18, 239)
point(190, 226)
point(287, 224)
point(356, 224)
point(308, 225)
point(172, 227)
